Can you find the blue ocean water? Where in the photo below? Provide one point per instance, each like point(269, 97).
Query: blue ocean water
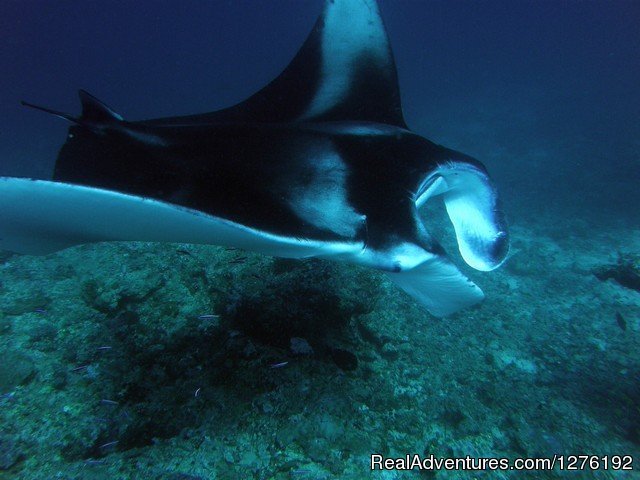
point(553, 81)
point(544, 93)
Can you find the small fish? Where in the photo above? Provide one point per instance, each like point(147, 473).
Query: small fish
point(40, 310)
point(208, 316)
point(7, 396)
point(622, 323)
point(103, 348)
point(197, 392)
point(301, 472)
point(108, 445)
point(94, 462)
point(182, 251)
point(106, 401)
point(238, 260)
point(78, 369)
point(278, 365)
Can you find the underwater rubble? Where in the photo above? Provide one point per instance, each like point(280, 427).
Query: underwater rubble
point(134, 360)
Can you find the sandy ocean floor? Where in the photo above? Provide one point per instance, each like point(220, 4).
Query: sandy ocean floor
point(131, 360)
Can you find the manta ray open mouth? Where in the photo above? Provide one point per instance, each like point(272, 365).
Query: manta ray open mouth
point(319, 162)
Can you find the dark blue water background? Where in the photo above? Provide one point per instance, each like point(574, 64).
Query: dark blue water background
point(545, 93)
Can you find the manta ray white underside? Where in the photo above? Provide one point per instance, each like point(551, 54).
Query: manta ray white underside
point(53, 216)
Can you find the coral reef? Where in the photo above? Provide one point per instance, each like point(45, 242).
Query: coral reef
point(176, 362)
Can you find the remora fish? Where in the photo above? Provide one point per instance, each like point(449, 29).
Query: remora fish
point(319, 163)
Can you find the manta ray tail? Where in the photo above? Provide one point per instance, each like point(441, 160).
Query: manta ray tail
point(95, 114)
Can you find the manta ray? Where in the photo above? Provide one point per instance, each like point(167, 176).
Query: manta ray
point(318, 163)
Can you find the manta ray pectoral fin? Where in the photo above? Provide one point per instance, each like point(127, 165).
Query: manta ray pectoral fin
point(473, 207)
point(344, 71)
point(39, 217)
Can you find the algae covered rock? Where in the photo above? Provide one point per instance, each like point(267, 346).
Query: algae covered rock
point(16, 368)
point(10, 452)
point(21, 302)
